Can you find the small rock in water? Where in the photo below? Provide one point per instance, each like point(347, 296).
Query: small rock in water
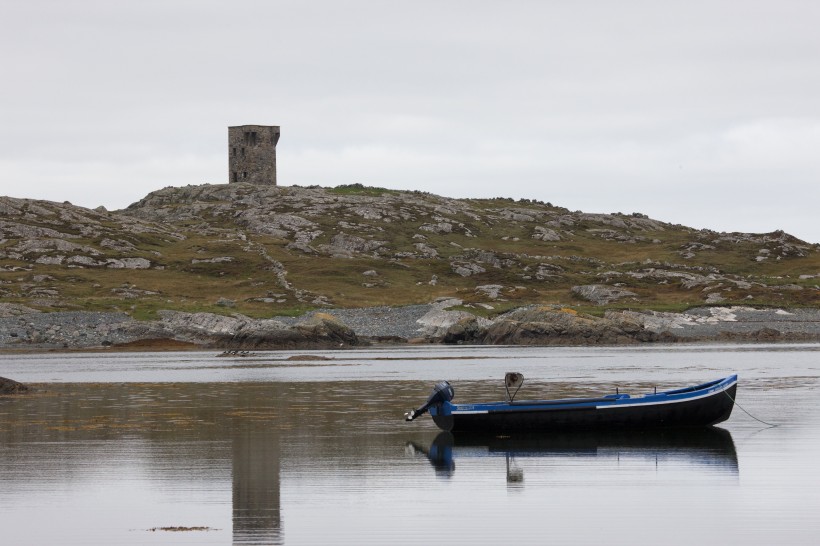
point(8, 386)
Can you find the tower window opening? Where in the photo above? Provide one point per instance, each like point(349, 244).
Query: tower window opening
point(250, 138)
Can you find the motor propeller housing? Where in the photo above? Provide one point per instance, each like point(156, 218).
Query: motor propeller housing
point(442, 392)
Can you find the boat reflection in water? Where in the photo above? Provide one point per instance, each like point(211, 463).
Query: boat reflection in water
point(579, 457)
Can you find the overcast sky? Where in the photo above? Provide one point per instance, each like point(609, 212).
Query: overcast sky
point(704, 113)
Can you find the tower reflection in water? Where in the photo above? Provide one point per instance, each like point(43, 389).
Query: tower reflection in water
point(707, 450)
point(256, 447)
point(256, 504)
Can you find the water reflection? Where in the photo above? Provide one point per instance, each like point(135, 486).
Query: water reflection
point(147, 447)
point(256, 504)
point(708, 449)
point(255, 464)
point(324, 461)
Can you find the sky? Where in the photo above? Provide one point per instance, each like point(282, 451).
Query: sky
point(702, 113)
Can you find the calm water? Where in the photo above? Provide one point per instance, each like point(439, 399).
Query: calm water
point(266, 450)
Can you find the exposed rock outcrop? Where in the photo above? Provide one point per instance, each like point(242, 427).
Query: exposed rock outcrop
point(434, 323)
point(318, 331)
point(14, 310)
point(86, 330)
point(601, 294)
point(546, 325)
point(8, 386)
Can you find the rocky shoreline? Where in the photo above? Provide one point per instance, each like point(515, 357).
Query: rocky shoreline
point(23, 328)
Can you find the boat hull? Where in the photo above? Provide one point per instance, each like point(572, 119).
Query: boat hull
point(694, 408)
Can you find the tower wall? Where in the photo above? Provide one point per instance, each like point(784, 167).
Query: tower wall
point(252, 154)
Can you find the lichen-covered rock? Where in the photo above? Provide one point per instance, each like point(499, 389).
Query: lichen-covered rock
point(714, 297)
point(466, 329)
point(318, 331)
point(128, 263)
point(15, 309)
point(441, 227)
point(601, 294)
point(547, 271)
point(546, 234)
point(327, 328)
point(546, 325)
point(436, 323)
point(492, 291)
point(344, 244)
point(201, 328)
point(425, 251)
point(466, 269)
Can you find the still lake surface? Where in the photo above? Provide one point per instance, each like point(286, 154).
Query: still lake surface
point(118, 447)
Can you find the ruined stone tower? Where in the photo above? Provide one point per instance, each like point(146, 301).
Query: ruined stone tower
point(252, 154)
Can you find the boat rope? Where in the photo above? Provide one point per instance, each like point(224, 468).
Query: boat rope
point(746, 412)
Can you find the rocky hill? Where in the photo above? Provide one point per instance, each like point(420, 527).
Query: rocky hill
point(264, 252)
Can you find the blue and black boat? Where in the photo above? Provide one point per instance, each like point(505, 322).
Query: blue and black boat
point(700, 405)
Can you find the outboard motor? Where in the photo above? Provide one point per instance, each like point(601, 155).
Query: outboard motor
point(442, 392)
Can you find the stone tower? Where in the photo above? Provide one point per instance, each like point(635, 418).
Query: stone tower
point(252, 154)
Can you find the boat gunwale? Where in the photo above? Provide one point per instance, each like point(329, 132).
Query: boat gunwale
point(695, 392)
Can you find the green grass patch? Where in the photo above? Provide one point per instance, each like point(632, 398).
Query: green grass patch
point(359, 189)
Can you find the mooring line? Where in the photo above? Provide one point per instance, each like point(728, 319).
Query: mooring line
point(746, 412)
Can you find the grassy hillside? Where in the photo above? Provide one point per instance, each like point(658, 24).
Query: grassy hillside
point(266, 251)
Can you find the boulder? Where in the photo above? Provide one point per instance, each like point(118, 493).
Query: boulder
point(344, 244)
point(465, 330)
point(714, 297)
point(547, 325)
point(545, 234)
point(324, 328)
point(128, 263)
point(466, 269)
point(201, 328)
point(8, 386)
point(492, 291)
point(15, 309)
point(318, 331)
point(601, 294)
point(438, 321)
